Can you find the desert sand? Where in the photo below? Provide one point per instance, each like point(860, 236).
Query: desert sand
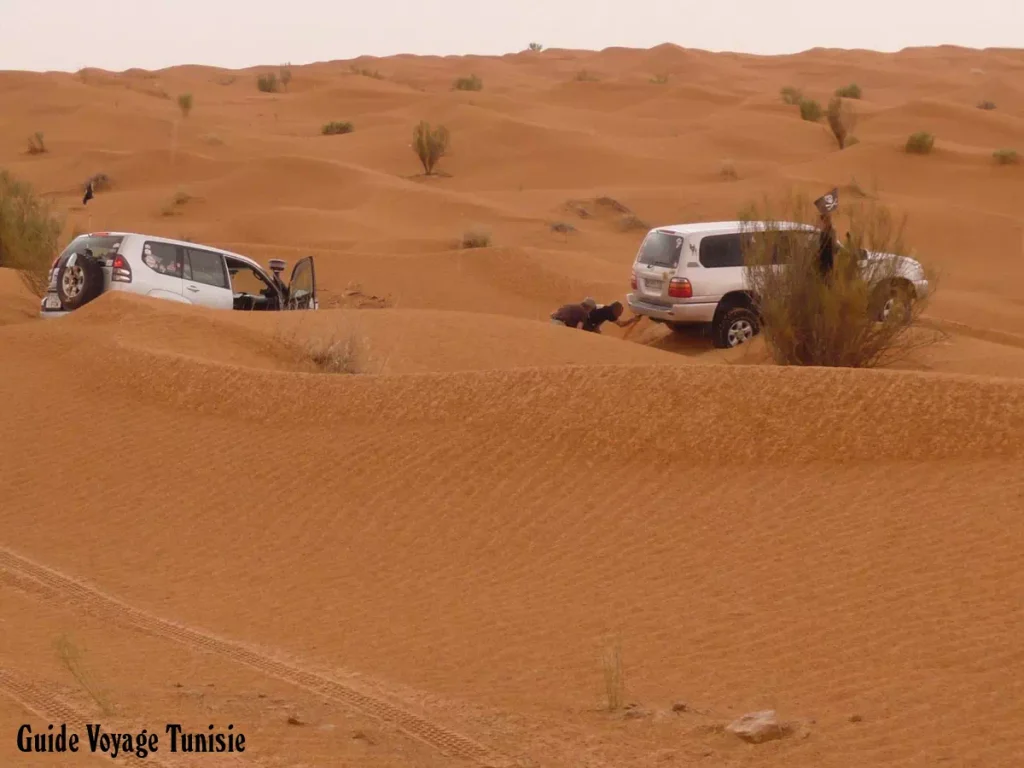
point(427, 563)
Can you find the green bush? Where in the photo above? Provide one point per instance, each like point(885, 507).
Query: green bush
point(851, 91)
point(429, 144)
point(810, 110)
point(267, 83)
point(30, 232)
point(536, 47)
point(334, 128)
point(471, 83)
point(185, 104)
point(920, 143)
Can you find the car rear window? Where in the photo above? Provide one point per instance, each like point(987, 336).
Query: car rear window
point(718, 251)
point(101, 246)
point(661, 249)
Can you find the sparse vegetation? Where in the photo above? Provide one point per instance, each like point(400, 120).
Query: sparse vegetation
point(285, 75)
point(471, 83)
point(630, 222)
point(100, 182)
point(267, 82)
point(862, 315)
point(70, 656)
point(477, 237)
point(986, 105)
point(30, 232)
point(367, 72)
point(430, 144)
point(536, 47)
point(851, 91)
point(614, 688)
point(792, 96)
point(810, 110)
point(340, 355)
point(584, 76)
point(659, 79)
point(1006, 157)
point(841, 120)
point(185, 104)
point(180, 199)
point(562, 227)
point(36, 145)
point(728, 171)
point(920, 143)
point(334, 128)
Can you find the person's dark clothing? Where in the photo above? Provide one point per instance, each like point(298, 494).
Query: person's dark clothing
point(826, 251)
point(573, 315)
point(599, 316)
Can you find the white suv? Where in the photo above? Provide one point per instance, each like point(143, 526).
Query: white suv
point(175, 270)
point(693, 274)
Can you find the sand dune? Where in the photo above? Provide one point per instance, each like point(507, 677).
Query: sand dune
point(422, 563)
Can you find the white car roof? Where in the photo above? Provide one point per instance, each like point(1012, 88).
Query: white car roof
point(185, 243)
point(723, 227)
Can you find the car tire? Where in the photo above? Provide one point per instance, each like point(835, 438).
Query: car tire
point(734, 326)
point(79, 284)
point(894, 296)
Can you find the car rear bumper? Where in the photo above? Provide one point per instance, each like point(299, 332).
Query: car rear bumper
point(672, 313)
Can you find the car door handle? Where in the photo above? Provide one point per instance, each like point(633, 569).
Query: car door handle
point(193, 288)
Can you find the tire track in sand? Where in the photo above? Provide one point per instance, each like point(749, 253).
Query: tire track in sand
point(82, 597)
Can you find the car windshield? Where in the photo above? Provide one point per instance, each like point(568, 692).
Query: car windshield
point(101, 246)
point(661, 249)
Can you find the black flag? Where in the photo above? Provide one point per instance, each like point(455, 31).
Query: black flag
point(828, 203)
point(88, 194)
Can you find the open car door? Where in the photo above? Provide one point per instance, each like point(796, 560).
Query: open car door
point(302, 288)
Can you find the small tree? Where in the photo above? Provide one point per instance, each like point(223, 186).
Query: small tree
point(536, 47)
point(286, 75)
point(841, 120)
point(30, 232)
point(185, 104)
point(861, 315)
point(429, 144)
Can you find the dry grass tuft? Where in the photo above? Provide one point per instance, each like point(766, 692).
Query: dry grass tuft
point(841, 121)
point(336, 128)
point(863, 315)
point(337, 353)
point(728, 170)
point(471, 83)
point(36, 145)
point(476, 237)
point(1006, 157)
point(614, 687)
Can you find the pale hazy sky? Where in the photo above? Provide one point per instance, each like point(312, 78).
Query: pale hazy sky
point(151, 34)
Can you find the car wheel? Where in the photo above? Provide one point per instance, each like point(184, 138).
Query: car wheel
point(894, 303)
point(79, 283)
point(734, 327)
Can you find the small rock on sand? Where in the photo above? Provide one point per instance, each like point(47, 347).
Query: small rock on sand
point(757, 727)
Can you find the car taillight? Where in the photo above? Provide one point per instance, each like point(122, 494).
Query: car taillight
point(121, 271)
point(680, 288)
point(632, 281)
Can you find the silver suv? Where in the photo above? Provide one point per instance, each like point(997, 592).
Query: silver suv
point(693, 274)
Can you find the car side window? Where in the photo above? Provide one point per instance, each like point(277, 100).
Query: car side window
point(206, 267)
point(718, 251)
point(162, 258)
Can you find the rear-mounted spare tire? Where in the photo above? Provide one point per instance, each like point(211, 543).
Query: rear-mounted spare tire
point(79, 282)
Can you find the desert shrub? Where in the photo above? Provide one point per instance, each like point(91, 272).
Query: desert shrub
point(36, 145)
point(839, 320)
point(792, 96)
point(810, 110)
point(986, 105)
point(1006, 156)
point(920, 143)
point(477, 237)
point(185, 104)
point(429, 144)
point(30, 232)
point(841, 120)
point(334, 128)
point(285, 75)
point(536, 47)
point(728, 170)
point(660, 79)
point(562, 227)
point(471, 83)
point(267, 82)
point(367, 72)
point(345, 354)
point(614, 688)
point(851, 91)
